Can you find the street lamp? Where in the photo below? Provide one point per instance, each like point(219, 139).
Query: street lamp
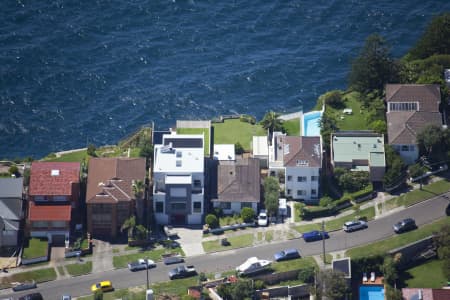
point(146, 268)
point(323, 241)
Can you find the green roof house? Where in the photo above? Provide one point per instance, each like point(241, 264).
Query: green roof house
point(359, 151)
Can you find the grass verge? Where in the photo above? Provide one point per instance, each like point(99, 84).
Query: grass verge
point(121, 261)
point(381, 247)
point(40, 275)
point(293, 264)
point(238, 241)
point(79, 268)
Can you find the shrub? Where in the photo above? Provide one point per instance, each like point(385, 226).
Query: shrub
point(306, 275)
point(325, 201)
point(334, 99)
point(212, 221)
point(247, 214)
point(14, 170)
point(238, 149)
point(91, 150)
point(218, 212)
point(248, 119)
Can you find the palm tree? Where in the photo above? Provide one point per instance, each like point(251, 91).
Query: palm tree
point(130, 225)
point(138, 187)
point(271, 122)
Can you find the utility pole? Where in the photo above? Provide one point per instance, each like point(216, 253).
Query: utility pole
point(146, 265)
point(323, 241)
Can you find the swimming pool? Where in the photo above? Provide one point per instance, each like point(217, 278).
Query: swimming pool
point(371, 292)
point(310, 124)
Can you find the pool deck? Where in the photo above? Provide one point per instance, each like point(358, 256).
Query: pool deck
point(378, 281)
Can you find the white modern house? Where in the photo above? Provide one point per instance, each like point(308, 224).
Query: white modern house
point(297, 160)
point(178, 179)
point(260, 150)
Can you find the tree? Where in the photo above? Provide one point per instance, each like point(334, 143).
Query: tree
point(393, 294)
point(373, 68)
point(247, 214)
point(212, 221)
point(129, 225)
point(442, 241)
point(14, 170)
point(141, 232)
point(416, 170)
point(435, 40)
point(271, 195)
point(146, 150)
point(327, 126)
point(91, 150)
point(306, 275)
point(271, 122)
point(239, 290)
point(433, 141)
point(332, 285)
point(238, 149)
point(389, 269)
point(394, 167)
point(334, 99)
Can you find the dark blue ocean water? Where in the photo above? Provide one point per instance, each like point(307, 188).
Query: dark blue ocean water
point(79, 72)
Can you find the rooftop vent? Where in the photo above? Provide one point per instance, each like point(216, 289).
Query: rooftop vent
point(178, 163)
point(55, 172)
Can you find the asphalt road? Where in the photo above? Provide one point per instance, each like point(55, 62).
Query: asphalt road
point(424, 213)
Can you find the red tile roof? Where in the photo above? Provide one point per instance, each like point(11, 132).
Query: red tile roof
point(53, 178)
point(49, 212)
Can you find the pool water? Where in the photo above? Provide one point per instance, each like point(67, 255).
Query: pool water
point(311, 123)
point(371, 292)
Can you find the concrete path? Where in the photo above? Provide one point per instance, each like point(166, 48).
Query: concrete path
point(102, 256)
point(190, 240)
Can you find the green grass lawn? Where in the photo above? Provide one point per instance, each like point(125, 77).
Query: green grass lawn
point(204, 131)
point(36, 248)
point(77, 156)
point(233, 130)
point(40, 275)
point(121, 261)
point(355, 121)
point(396, 241)
point(427, 275)
point(79, 268)
point(292, 127)
point(427, 192)
point(293, 264)
point(238, 241)
point(336, 224)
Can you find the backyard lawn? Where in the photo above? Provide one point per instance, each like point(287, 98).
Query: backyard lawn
point(427, 275)
point(76, 156)
point(233, 130)
point(292, 127)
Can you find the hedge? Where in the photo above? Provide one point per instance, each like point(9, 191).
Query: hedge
point(362, 193)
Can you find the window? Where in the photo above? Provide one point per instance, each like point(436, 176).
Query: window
point(301, 162)
point(403, 106)
point(301, 192)
point(178, 206)
point(411, 147)
point(197, 207)
point(314, 178)
point(405, 148)
point(246, 204)
point(159, 207)
point(197, 183)
point(178, 192)
point(289, 178)
point(301, 178)
point(288, 191)
point(225, 205)
point(313, 192)
point(60, 198)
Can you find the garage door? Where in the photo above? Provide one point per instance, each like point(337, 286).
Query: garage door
point(58, 240)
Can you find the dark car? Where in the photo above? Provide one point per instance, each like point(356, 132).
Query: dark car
point(182, 272)
point(315, 235)
point(33, 296)
point(286, 254)
point(404, 225)
point(24, 286)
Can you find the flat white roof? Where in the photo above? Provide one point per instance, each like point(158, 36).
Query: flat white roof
point(179, 160)
point(224, 152)
point(260, 146)
point(178, 179)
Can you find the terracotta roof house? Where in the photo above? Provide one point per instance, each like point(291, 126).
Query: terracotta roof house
point(53, 193)
point(410, 108)
point(110, 198)
point(359, 151)
point(11, 210)
point(425, 294)
point(298, 161)
point(238, 185)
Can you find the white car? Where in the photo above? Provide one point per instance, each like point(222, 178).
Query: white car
point(354, 225)
point(262, 218)
point(253, 265)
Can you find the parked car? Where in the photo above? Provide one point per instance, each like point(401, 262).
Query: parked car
point(253, 265)
point(354, 225)
point(141, 264)
point(172, 258)
point(66, 297)
point(286, 254)
point(404, 225)
point(262, 218)
point(315, 235)
point(104, 286)
point(24, 286)
point(182, 272)
point(33, 296)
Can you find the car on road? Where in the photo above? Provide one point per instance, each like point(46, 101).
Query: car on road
point(286, 254)
point(66, 297)
point(354, 225)
point(141, 264)
point(404, 225)
point(172, 258)
point(104, 286)
point(262, 218)
point(24, 286)
point(33, 296)
point(182, 272)
point(315, 235)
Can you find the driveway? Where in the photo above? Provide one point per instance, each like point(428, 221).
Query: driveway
point(190, 240)
point(102, 256)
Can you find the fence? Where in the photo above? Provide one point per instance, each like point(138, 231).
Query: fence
point(35, 260)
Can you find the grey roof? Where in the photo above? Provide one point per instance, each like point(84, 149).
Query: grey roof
point(11, 187)
point(343, 265)
point(184, 142)
point(239, 181)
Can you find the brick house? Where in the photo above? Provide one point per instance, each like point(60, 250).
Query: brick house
point(410, 108)
point(53, 193)
point(110, 198)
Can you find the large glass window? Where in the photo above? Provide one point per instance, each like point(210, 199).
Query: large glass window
point(314, 178)
point(246, 204)
point(159, 207)
point(197, 207)
point(174, 206)
point(301, 178)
